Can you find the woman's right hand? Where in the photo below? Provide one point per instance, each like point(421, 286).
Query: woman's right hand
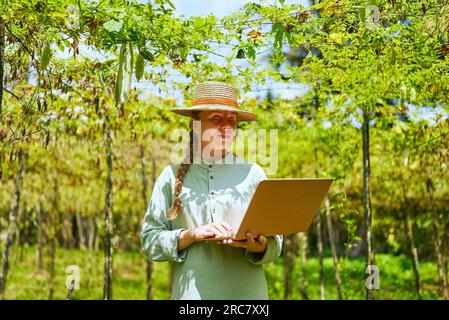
point(218, 231)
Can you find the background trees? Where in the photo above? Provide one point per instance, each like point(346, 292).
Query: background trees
point(85, 126)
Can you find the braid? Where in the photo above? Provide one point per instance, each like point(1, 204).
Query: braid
point(174, 211)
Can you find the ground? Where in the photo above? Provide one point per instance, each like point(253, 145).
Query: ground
point(25, 281)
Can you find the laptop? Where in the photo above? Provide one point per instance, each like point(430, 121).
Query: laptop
point(280, 206)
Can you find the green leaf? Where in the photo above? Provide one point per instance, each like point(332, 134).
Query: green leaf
point(113, 25)
point(183, 51)
point(60, 45)
point(278, 31)
point(362, 14)
point(46, 55)
point(240, 54)
point(250, 51)
point(171, 4)
point(232, 54)
point(146, 54)
point(289, 36)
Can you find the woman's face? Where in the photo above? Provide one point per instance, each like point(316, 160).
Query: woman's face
point(218, 129)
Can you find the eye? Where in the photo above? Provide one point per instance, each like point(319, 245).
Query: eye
point(216, 119)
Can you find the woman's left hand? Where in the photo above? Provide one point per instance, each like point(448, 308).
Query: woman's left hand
point(255, 245)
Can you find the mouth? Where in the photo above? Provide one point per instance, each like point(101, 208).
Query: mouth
point(224, 136)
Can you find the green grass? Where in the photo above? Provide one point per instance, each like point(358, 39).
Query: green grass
point(129, 276)
point(129, 279)
point(396, 280)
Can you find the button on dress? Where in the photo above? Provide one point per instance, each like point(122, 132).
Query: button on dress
point(211, 192)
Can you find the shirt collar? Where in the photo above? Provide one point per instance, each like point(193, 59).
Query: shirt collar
point(229, 158)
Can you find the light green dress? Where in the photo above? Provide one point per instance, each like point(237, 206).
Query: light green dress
point(208, 270)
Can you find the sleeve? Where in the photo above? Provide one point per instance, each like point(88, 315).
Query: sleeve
point(158, 241)
point(274, 243)
point(271, 253)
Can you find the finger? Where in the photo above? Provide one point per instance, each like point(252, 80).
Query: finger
point(224, 233)
point(233, 243)
point(215, 230)
point(219, 233)
point(210, 231)
point(221, 228)
point(227, 241)
point(250, 238)
point(227, 226)
point(262, 239)
point(207, 234)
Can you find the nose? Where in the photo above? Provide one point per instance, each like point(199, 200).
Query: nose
point(226, 128)
point(227, 123)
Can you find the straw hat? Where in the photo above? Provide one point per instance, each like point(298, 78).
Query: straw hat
point(215, 95)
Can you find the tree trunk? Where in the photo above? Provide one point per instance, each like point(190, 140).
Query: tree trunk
point(12, 221)
point(288, 261)
point(66, 230)
point(51, 265)
point(408, 226)
point(26, 234)
point(53, 231)
point(96, 235)
point(79, 224)
point(149, 267)
point(319, 235)
point(90, 247)
point(303, 265)
point(107, 290)
point(2, 64)
point(17, 236)
point(330, 231)
point(320, 252)
point(442, 272)
point(40, 238)
point(366, 196)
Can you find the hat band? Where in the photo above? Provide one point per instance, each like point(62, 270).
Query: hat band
point(228, 102)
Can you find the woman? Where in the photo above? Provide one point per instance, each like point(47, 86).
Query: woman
point(190, 201)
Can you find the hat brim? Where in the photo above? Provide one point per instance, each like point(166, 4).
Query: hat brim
point(242, 115)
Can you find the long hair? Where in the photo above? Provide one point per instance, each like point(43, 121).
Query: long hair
point(175, 209)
